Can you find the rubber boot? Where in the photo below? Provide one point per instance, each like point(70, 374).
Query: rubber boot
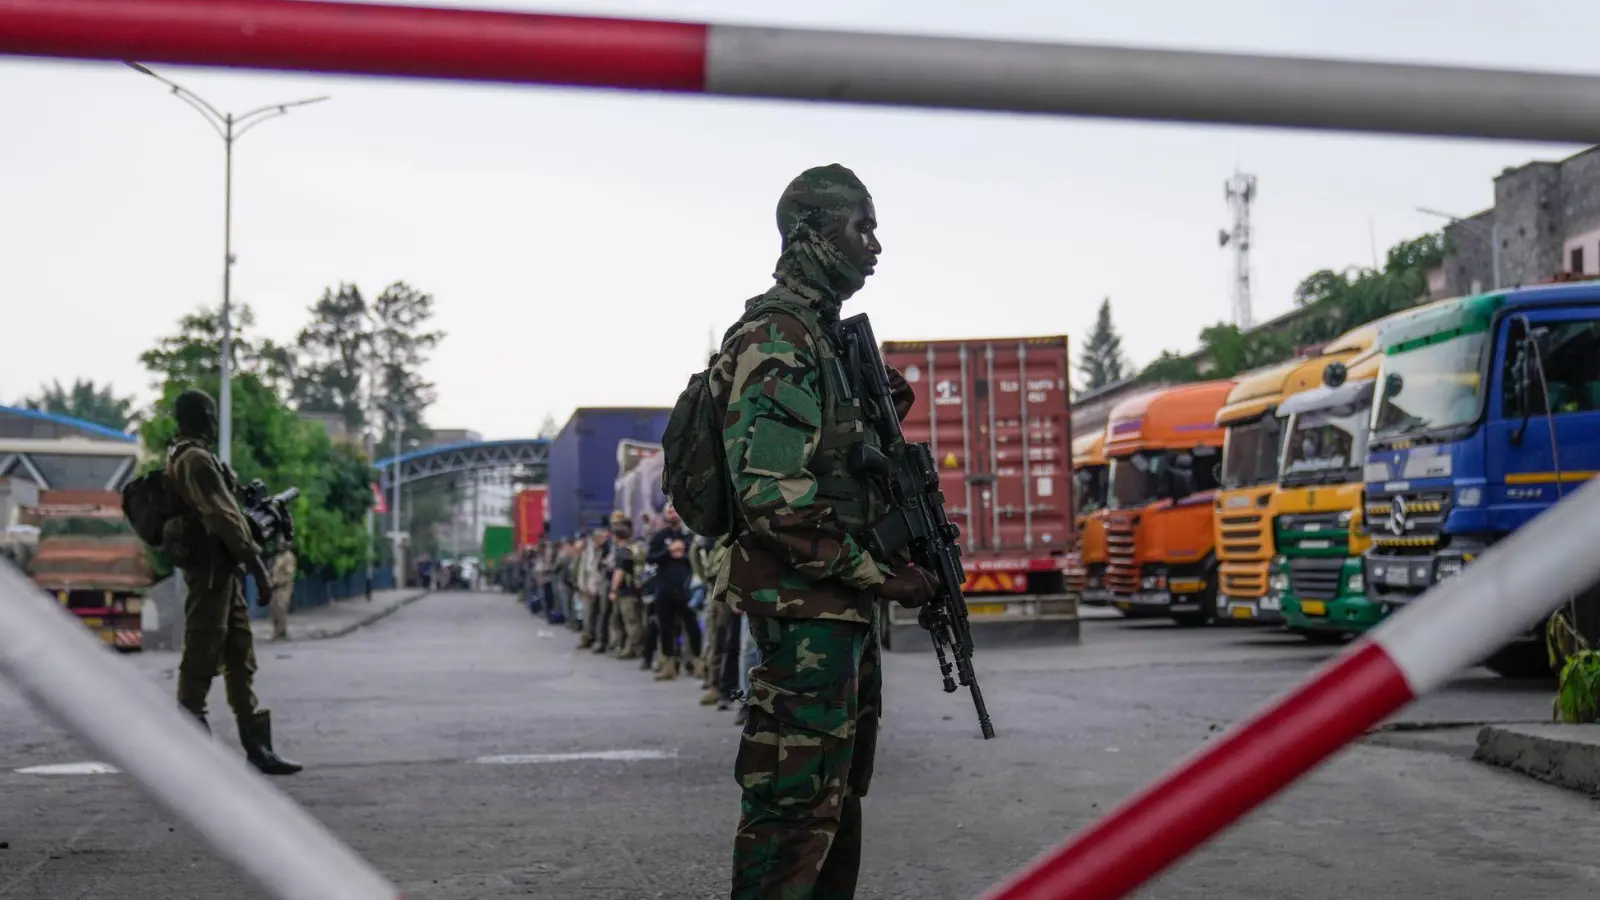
point(669, 669)
point(255, 735)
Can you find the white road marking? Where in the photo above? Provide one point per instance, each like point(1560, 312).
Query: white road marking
point(77, 768)
point(615, 755)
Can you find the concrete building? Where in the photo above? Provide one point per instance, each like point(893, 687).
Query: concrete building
point(1545, 222)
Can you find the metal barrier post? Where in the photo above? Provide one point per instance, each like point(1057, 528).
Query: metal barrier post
point(47, 653)
point(802, 64)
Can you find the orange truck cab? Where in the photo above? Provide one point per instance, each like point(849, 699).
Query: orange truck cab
point(1250, 457)
point(1166, 452)
point(1086, 564)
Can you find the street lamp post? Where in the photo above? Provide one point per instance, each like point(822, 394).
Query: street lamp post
point(230, 128)
point(1492, 233)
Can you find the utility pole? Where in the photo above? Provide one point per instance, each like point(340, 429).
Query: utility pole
point(1240, 191)
point(394, 475)
point(230, 128)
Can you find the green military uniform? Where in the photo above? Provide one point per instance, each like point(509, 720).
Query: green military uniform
point(210, 542)
point(803, 582)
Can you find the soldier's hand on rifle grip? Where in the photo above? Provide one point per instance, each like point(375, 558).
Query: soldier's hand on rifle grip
point(909, 586)
point(258, 571)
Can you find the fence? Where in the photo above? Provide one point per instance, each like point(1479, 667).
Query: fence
point(312, 590)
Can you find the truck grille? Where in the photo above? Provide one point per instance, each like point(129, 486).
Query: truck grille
point(1122, 569)
point(1244, 553)
point(1410, 527)
point(1313, 534)
point(1313, 578)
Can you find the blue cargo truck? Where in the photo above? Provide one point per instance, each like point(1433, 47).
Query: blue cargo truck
point(583, 462)
point(1487, 412)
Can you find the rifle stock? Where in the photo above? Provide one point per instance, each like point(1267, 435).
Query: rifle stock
point(916, 523)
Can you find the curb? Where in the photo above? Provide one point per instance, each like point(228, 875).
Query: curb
point(383, 613)
point(1567, 756)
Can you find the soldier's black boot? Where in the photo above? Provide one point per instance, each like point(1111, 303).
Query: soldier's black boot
point(198, 717)
point(255, 735)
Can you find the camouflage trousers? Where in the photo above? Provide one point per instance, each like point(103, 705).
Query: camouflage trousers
point(627, 626)
point(216, 640)
point(805, 759)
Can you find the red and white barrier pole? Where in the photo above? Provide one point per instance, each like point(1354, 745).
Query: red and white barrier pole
point(1457, 624)
point(47, 653)
point(831, 66)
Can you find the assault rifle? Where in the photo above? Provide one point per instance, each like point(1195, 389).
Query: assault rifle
point(916, 523)
point(268, 516)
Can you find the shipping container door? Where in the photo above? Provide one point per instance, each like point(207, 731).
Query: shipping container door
point(940, 374)
point(1029, 502)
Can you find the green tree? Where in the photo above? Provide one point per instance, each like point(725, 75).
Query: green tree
point(335, 351)
point(271, 441)
point(87, 401)
point(193, 353)
point(1101, 361)
point(401, 345)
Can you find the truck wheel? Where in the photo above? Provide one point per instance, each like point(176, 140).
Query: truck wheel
point(1525, 659)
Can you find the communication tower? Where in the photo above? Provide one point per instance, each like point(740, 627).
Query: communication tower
point(1240, 191)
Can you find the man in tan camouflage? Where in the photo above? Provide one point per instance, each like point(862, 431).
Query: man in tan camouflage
point(212, 543)
point(626, 597)
point(282, 592)
point(806, 585)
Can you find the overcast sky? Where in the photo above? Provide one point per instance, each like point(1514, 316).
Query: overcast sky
point(581, 244)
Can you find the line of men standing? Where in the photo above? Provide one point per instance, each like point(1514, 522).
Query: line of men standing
point(645, 598)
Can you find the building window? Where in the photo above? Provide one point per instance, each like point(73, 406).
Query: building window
point(1576, 266)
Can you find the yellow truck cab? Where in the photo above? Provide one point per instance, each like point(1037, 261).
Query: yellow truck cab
point(1250, 457)
point(1317, 530)
point(1086, 564)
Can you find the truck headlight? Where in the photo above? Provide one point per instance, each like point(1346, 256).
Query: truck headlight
point(1345, 517)
point(1469, 496)
point(1355, 583)
point(1278, 582)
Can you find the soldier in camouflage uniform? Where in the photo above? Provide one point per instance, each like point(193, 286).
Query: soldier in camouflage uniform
point(282, 592)
point(805, 584)
point(626, 581)
point(213, 546)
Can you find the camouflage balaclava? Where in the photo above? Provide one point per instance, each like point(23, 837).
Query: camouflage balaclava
point(196, 413)
point(814, 208)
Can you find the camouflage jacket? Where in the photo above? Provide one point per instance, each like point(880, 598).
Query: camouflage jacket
point(203, 486)
point(795, 558)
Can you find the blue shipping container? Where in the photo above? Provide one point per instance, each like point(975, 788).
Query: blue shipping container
point(583, 462)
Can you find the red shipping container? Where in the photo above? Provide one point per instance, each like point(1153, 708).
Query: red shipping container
point(528, 516)
point(997, 416)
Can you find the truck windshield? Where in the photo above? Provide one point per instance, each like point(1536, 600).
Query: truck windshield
point(1327, 446)
point(1250, 453)
point(1092, 487)
point(1136, 479)
point(1431, 387)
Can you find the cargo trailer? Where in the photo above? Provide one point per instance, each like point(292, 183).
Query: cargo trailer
point(997, 417)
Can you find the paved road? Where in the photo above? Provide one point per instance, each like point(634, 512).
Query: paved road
point(389, 720)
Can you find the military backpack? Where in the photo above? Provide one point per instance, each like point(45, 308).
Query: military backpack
point(149, 502)
point(694, 470)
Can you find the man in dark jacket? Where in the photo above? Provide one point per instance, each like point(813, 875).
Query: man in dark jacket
point(669, 553)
